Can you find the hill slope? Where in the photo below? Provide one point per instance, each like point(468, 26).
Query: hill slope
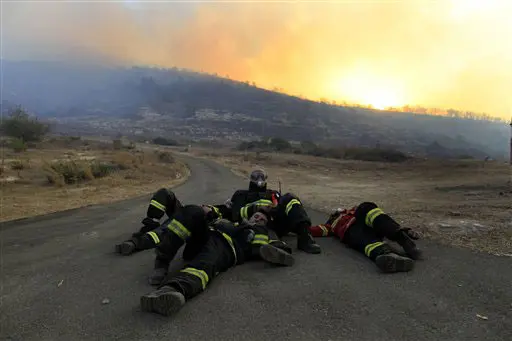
point(173, 102)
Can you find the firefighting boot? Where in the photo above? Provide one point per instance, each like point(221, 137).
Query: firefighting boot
point(391, 262)
point(409, 246)
point(281, 245)
point(305, 241)
point(126, 248)
point(164, 301)
point(276, 255)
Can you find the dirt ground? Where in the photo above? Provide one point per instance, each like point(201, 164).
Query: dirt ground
point(30, 187)
point(464, 203)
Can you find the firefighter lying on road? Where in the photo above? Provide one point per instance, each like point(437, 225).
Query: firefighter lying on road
point(226, 246)
point(163, 202)
point(364, 227)
point(289, 214)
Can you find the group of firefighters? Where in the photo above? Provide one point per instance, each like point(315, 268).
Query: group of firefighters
point(248, 227)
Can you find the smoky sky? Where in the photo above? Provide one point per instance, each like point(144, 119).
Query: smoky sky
point(450, 54)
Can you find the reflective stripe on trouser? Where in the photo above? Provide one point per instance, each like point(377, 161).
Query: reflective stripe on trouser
point(325, 230)
point(157, 205)
point(370, 216)
point(154, 236)
point(291, 204)
point(201, 274)
point(179, 229)
point(260, 239)
point(371, 247)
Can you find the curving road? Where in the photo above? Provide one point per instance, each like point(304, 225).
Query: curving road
point(57, 269)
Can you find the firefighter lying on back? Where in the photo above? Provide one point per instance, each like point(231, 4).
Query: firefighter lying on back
point(364, 227)
point(227, 245)
point(289, 214)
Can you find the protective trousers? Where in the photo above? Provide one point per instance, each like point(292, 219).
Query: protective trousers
point(291, 216)
point(216, 255)
point(163, 202)
point(364, 239)
point(190, 226)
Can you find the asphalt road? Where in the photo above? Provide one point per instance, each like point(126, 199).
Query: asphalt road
point(57, 269)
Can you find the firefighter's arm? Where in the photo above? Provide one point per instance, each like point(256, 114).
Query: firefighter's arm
point(320, 230)
point(262, 205)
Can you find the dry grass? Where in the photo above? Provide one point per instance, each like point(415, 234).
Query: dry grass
point(444, 200)
point(65, 174)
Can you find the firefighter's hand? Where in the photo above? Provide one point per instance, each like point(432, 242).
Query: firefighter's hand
point(413, 234)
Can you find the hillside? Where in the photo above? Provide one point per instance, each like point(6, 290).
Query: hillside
point(183, 104)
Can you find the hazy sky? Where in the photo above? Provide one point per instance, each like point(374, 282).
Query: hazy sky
point(434, 53)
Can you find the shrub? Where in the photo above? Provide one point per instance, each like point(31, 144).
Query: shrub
point(21, 126)
point(165, 157)
point(374, 154)
point(18, 165)
point(18, 145)
point(72, 172)
point(165, 142)
point(117, 144)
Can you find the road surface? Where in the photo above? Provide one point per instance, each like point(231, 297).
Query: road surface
point(57, 269)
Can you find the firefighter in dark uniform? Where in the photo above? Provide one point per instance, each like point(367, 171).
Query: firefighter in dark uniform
point(287, 210)
point(227, 245)
point(189, 227)
point(163, 202)
point(364, 228)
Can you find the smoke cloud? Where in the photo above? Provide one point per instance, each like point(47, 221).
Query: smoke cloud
point(451, 54)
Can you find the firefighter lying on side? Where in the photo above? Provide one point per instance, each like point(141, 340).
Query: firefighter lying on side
point(364, 228)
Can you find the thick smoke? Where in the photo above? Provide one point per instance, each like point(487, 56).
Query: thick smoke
point(439, 54)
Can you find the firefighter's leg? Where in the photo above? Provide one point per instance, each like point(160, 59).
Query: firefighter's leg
point(215, 257)
point(387, 227)
point(292, 217)
point(189, 223)
point(364, 239)
point(264, 247)
point(274, 240)
point(162, 202)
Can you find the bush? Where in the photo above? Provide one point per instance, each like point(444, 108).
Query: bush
point(165, 157)
point(18, 145)
point(21, 126)
point(165, 142)
point(117, 144)
point(18, 165)
point(72, 172)
point(375, 154)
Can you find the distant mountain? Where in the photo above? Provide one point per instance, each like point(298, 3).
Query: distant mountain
point(181, 103)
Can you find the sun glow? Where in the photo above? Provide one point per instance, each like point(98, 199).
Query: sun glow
point(380, 93)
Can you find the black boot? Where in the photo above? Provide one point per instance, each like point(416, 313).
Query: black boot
point(276, 255)
point(408, 245)
point(391, 262)
point(126, 248)
point(305, 241)
point(164, 301)
point(281, 245)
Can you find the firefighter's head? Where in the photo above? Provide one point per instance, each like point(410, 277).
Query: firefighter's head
point(258, 218)
point(258, 180)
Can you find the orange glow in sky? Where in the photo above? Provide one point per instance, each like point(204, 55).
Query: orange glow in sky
point(445, 54)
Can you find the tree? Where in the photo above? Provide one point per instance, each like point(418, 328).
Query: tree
point(21, 126)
